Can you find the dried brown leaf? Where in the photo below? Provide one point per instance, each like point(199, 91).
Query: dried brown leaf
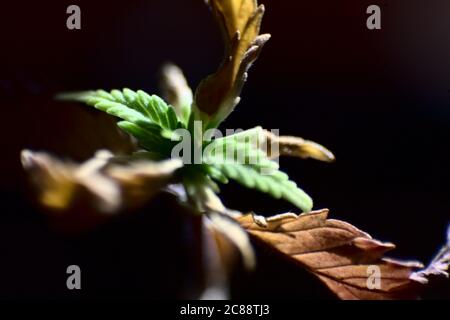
point(345, 258)
point(100, 183)
point(240, 20)
point(296, 147)
point(57, 182)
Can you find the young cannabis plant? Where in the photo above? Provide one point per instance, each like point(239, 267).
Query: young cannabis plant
point(157, 125)
point(178, 153)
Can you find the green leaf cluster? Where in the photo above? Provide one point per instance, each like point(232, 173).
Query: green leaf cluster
point(239, 157)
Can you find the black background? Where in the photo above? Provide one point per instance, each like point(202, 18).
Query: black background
point(380, 100)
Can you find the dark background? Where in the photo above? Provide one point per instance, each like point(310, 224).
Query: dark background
point(380, 100)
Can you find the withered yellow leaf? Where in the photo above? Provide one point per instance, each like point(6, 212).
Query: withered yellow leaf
point(233, 13)
point(345, 258)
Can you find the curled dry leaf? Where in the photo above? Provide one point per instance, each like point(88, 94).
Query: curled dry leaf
point(58, 183)
point(228, 227)
point(220, 221)
point(176, 90)
point(439, 266)
point(219, 256)
point(102, 183)
point(240, 21)
point(275, 146)
point(346, 259)
point(296, 147)
point(140, 180)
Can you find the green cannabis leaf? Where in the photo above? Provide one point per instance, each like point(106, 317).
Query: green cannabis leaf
point(239, 156)
point(148, 118)
point(254, 169)
point(276, 184)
